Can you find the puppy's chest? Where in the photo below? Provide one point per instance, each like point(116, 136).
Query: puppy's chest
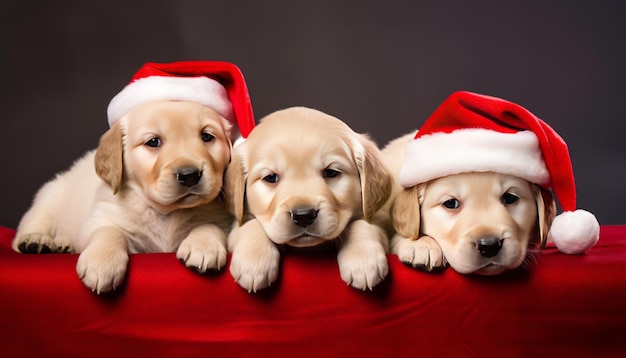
point(158, 233)
point(164, 233)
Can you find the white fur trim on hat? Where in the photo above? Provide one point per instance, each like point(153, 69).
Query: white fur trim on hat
point(574, 232)
point(202, 90)
point(441, 154)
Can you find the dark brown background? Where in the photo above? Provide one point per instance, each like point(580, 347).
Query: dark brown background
point(382, 67)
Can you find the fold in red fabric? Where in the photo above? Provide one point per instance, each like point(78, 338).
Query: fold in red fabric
point(568, 305)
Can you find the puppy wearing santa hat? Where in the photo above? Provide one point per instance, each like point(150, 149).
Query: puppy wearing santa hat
point(476, 189)
point(154, 183)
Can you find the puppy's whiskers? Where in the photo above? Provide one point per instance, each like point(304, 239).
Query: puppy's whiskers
point(533, 259)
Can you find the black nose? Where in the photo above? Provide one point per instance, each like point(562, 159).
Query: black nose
point(303, 217)
point(189, 176)
point(489, 246)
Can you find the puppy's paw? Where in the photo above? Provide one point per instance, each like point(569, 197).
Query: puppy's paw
point(363, 266)
point(202, 253)
point(102, 270)
point(423, 253)
point(34, 243)
point(255, 269)
point(63, 245)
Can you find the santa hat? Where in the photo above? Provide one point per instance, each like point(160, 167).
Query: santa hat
point(469, 132)
point(215, 84)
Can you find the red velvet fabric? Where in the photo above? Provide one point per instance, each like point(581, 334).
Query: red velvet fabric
point(567, 306)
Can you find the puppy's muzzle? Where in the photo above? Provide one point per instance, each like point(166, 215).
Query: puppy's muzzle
point(189, 176)
point(489, 246)
point(303, 217)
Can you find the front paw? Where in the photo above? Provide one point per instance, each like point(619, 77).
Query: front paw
point(363, 267)
point(423, 253)
point(255, 269)
point(202, 253)
point(34, 243)
point(102, 270)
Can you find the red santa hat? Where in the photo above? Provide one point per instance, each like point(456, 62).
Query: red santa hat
point(469, 132)
point(215, 84)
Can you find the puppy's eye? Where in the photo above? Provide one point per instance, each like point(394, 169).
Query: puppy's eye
point(271, 178)
point(207, 137)
point(451, 204)
point(154, 142)
point(508, 198)
point(330, 173)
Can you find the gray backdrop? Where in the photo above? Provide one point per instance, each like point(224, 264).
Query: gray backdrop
point(381, 66)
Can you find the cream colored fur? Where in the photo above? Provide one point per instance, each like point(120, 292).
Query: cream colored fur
point(125, 196)
point(302, 160)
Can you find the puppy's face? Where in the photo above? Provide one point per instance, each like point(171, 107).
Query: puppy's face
point(306, 175)
point(304, 193)
point(174, 152)
point(483, 222)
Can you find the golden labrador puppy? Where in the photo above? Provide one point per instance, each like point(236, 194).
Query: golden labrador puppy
point(155, 187)
point(303, 178)
point(482, 223)
point(479, 178)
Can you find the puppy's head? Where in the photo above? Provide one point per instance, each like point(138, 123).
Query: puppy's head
point(172, 152)
point(485, 223)
point(305, 175)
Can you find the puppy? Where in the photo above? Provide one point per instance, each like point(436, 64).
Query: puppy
point(301, 179)
point(480, 223)
point(152, 185)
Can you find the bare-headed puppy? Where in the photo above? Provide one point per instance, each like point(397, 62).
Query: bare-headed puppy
point(153, 185)
point(481, 223)
point(303, 178)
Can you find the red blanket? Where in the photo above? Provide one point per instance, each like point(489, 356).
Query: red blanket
point(567, 306)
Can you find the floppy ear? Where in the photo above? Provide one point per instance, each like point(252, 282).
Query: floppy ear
point(108, 161)
point(405, 213)
point(376, 181)
point(546, 211)
point(235, 186)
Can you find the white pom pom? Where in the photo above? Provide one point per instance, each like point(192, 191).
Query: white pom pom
point(574, 232)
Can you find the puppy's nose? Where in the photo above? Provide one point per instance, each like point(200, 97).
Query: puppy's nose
point(303, 217)
point(489, 246)
point(188, 176)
